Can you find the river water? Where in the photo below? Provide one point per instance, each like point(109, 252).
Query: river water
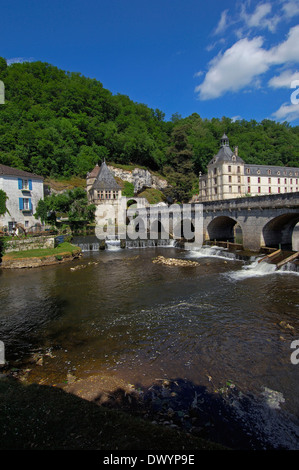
point(222, 322)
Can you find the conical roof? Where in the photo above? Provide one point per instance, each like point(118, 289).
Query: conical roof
point(105, 180)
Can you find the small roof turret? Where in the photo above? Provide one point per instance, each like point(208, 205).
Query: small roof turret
point(224, 141)
point(225, 153)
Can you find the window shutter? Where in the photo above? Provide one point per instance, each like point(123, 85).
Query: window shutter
point(21, 203)
point(20, 182)
point(30, 185)
point(30, 204)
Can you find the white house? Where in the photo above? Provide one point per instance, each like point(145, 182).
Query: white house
point(23, 190)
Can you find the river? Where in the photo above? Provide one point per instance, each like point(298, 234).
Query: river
point(224, 323)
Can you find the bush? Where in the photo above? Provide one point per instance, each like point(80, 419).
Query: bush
point(128, 190)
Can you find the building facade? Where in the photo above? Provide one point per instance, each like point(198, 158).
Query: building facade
point(23, 190)
point(229, 177)
point(101, 186)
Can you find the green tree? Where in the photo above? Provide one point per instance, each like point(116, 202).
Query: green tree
point(3, 65)
point(179, 169)
point(71, 203)
point(3, 199)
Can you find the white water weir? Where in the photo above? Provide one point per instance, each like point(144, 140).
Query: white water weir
point(93, 244)
point(252, 267)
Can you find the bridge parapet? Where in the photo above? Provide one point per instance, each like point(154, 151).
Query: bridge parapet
point(255, 202)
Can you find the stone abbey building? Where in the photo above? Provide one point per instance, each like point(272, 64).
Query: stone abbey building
point(230, 177)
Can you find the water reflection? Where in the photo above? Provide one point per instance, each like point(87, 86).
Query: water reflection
point(124, 314)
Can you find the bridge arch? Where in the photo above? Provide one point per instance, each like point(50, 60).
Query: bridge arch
point(158, 231)
point(278, 232)
point(224, 228)
point(132, 202)
point(184, 229)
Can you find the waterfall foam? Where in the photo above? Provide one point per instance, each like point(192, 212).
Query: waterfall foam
point(206, 251)
point(256, 269)
point(112, 245)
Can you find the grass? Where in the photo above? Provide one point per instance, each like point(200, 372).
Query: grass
point(128, 167)
point(66, 183)
point(152, 195)
point(48, 418)
point(43, 252)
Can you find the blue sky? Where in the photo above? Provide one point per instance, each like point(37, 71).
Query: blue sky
point(216, 58)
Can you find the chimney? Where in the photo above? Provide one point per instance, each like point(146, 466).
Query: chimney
point(236, 151)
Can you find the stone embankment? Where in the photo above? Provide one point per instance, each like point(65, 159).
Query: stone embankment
point(36, 262)
point(29, 243)
point(40, 256)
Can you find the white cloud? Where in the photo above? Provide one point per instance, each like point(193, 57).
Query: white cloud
point(235, 69)
point(198, 74)
point(287, 51)
point(211, 46)
point(260, 17)
point(243, 63)
point(223, 24)
point(235, 118)
point(291, 9)
point(283, 80)
point(256, 18)
point(19, 60)
point(287, 112)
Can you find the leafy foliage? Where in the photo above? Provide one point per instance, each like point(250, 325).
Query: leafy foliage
point(128, 190)
point(60, 124)
point(71, 203)
point(180, 167)
point(3, 199)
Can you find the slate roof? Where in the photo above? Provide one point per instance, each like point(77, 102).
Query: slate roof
point(263, 170)
point(105, 179)
point(225, 153)
point(9, 171)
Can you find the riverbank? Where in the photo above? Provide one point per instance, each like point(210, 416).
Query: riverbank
point(40, 257)
point(48, 418)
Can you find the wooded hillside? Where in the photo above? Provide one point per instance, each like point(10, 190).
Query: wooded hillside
point(58, 123)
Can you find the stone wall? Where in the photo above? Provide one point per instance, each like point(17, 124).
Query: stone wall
point(30, 243)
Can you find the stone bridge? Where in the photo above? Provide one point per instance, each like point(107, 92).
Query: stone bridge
point(252, 221)
point(257, 221)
